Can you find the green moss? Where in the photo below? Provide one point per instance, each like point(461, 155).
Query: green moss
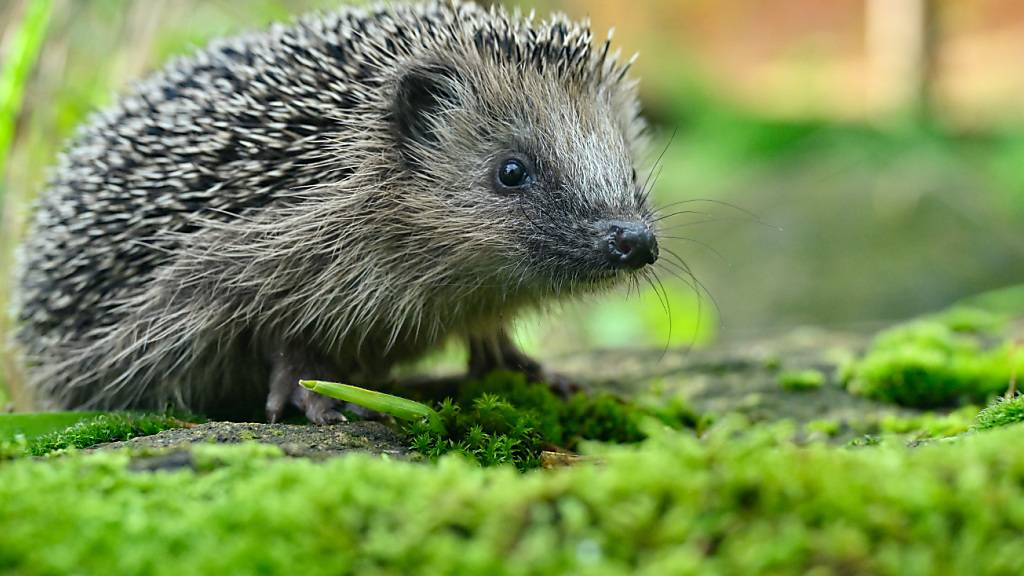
point(928, 363)
point(1006, 302)
point(503, 419)
point(10, 449)
point(930, 424)
point(1002, 412)
point(731, 503)
point(103, 428)
point(823, 427)
point(865, 441)
point(970, 319)
point(32, 425)
point(802, 380)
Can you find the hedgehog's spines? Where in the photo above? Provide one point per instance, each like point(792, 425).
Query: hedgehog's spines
point(212, 206)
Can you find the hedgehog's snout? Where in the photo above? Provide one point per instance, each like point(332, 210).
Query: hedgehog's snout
point(629, 245)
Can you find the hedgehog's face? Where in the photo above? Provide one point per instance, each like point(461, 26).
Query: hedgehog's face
point(536, 173)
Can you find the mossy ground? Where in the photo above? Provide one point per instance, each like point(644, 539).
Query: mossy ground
point(734, 502)
point(41, 434)
point(967, 354)
point(669, 490)
point(505, 419)
point(802, 380)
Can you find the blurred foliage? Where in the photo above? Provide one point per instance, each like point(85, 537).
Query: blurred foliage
point(26, 40)
point(802, 380)
point(32, 425)
point(930, 424)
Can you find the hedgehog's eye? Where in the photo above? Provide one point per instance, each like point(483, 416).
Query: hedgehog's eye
point(512, 173)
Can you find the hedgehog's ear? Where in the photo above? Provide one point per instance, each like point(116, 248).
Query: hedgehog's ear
point(423, 92)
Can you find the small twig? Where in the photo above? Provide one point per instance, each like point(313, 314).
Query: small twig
point(550, 460)
point(183, 423)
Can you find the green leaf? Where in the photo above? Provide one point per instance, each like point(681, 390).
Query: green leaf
point(400, 408)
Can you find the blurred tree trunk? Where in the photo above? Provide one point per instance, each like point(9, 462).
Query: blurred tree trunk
point(902, 41)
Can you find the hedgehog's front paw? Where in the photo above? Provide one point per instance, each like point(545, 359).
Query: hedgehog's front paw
point(317, 408)
point(499, 352)
point(560, 384)
point(285, 391)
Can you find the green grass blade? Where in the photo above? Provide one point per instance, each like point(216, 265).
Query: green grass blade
point(34, 425)
point(25, 45)
point(400, 408)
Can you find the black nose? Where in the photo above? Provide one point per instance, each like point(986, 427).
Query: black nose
point(630, 245)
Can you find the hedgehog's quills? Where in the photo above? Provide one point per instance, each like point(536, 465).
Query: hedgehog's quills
point(327, 198)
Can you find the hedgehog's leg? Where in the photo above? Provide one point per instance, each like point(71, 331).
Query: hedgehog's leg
point(287, 368)
point(497, 351)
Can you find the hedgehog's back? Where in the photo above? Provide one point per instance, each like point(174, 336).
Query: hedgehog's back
point(211, 137)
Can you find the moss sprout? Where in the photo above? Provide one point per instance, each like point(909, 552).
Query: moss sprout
point(823, 427)
point(503, 419)
point(930, 424)
point(928, 364)
point(100, 429)
point(802, 380)
point(1002, 412)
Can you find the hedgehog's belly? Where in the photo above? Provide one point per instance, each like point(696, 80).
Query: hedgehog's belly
point(232, 382)
point(371, 360)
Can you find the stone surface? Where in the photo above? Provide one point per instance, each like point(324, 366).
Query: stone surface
point(294, 440)
point(742, 377)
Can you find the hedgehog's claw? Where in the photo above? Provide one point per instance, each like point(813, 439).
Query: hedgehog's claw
point(560, 384)
point(285, 391)
point(318, 409)
point(499, 352)
point(276, 405)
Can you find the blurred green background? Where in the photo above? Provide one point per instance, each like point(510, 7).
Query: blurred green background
point(878, 144)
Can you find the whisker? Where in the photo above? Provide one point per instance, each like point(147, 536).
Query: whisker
point(668, 311)
point(724, 219)
point(679, 260)
point(646, 275)
point(700, 307)
point(704, 245)
point(683, 269)
point(751, 215)
point(680, 213)
point(645, 189)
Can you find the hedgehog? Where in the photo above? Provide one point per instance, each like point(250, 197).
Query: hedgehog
point(327, 198)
